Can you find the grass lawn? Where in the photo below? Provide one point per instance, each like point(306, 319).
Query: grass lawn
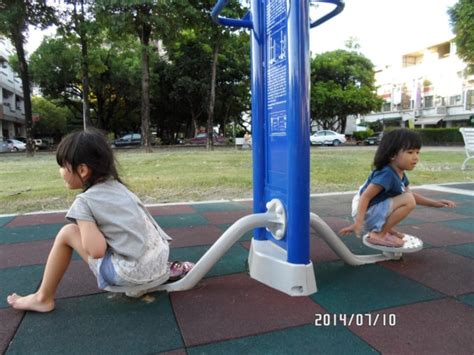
point(172, 175)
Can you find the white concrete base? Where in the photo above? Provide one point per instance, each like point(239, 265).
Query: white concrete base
point(268, 265)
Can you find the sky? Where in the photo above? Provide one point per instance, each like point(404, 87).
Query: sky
point(385, 29)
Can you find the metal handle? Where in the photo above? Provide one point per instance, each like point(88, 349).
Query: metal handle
point(339, 7)
point(244, 22)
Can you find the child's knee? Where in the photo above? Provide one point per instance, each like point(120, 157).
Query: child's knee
point(410, 201)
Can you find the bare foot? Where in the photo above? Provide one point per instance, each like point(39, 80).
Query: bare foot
point(30, 303)
point(387, 240)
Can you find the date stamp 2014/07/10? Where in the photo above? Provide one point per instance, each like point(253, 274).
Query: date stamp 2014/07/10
point(357, 319)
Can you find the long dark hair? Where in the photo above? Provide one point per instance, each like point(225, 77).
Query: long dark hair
point(88, 147)
point(393, 142)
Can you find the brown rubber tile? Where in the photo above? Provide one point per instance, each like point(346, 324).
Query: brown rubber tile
point(235, 306)
point(78, 281)
point(170, 210)
point(21, 254)
point(437, 234)
point(34, 219)
point(422, 328)
point(443, 271)
point(435, 214)
point(225, 217)
point(10, 321)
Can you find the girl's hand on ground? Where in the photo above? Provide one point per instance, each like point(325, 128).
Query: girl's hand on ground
point(446, 203)
point(353, 228)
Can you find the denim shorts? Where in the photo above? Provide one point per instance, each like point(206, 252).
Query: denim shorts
point(376, 216)
point(104, 271)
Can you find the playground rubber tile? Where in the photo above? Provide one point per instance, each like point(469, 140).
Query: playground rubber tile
point(11, 319)
point(345, 289)
point(467, 186)
point(219, 206)
point(192, 236)
point(237, 306)
point(319, 251)
point(446, 272)
point(222, 217)
point(170, 210)
point(422, 329)
point(29, 233)
point(466, 225)
point(101, 324)
point(464, 209)
point(175, 352)
point(41, 218)
point(21, 254)
point(234, 261)
point(5, 220)
point(467, 299)
point(463, 249)
point(182, 220)
point(336, 223)
point(306, 339)
point(438, 235)
point(434, 214)
point(77, 281)
point(21, 280)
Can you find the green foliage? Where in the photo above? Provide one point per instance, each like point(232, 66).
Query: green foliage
point(360, 136)
point(440, 136)
point(462, 23)
point(53, 119)
point(343, 84)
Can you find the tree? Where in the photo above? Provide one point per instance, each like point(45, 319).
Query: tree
point(15, 17)
point(342, 84)
point(462, 22)
point(52, 118)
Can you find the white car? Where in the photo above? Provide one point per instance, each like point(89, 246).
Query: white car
point(16, 146)
point(327, 137)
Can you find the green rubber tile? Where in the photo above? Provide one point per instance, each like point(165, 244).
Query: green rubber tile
point(100, 324)
point(467, 299)
point(219, 206)
point(183, 220)
point(234, 261)
point(6, 220)
point(459, 198)
point(466, 186)
point(21, 280)
point(463, 249)
point(465, 225)
point(410, 221)
point(222, 217)
point(298, 340)
point(29, 233)
point(464, 209)
point(347, 289)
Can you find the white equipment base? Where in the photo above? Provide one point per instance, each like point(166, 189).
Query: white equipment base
point(411, 245)
point(267, 262)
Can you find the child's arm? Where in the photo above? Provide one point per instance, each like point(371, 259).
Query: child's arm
point(93, 241)
point(425, 201)
point(364, 200)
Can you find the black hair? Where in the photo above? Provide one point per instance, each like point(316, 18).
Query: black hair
point(88, 147)
point(392, 143)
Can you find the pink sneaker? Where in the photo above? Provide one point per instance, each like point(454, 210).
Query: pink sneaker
point(179, 269)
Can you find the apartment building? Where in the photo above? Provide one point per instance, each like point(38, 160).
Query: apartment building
point(427, 88)
point(12, 110)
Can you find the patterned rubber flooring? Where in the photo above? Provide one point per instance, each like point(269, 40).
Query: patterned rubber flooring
point(421, 304)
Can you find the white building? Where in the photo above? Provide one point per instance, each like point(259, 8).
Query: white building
point(428, 88)
point(12, 110)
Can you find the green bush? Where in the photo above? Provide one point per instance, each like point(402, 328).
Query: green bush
point(360, 136)
point(440, 136)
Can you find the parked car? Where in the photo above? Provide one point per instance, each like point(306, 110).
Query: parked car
point(41, 143)
point(16, 145)
point(374, 140)
point(201, 138)
point(4, 146)
point(327, 137)
point(129, 140)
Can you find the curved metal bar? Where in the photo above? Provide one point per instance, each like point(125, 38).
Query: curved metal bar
point(217, 9)
point(339, 7)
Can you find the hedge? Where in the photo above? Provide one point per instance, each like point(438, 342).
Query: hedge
point(440, 136)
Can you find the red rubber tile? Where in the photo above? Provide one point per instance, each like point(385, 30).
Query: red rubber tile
point(78, 281)
point(21, 254)
point(170, 210)
point(235, 306)
point(41, 218)
point(441, 270)
point(11, 319)
point(194, 235)
point(225, 217)
point(422, 329)
point(438, 235)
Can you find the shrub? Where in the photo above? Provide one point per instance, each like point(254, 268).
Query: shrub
point(440, 136)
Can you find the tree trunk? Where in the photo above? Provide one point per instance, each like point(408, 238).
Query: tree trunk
point(212, 99)
point(145, 40)
point(18, 40)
